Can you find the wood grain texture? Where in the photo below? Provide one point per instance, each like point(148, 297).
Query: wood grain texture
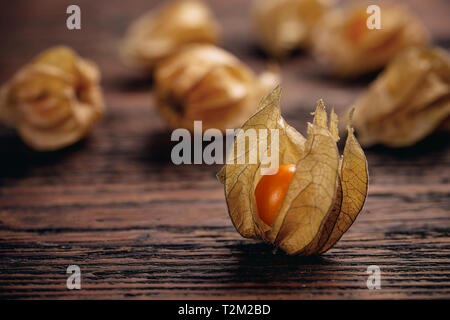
point(141, 227)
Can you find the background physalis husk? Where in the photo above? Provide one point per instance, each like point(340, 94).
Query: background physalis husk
point(285, 25)
point(408, 101)
point(326, 192)
point(162, 32)
point(54, 101)
point(204, 82)
point(343, 41)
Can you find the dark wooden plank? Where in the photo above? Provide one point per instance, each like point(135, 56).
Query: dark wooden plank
point(141, 227)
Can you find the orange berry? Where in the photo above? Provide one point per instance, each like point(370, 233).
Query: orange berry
point(270, 192)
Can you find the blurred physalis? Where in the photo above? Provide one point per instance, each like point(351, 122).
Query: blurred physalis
point(206, 83)
point(162, 32)
point(408, 101)
point(54, 101)
point(344, 42)
point(314, 197)
point(285, 25)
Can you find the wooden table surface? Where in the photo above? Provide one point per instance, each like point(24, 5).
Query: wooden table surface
point(140, 227)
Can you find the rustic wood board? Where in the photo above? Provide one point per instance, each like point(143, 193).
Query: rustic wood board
point(141, 227)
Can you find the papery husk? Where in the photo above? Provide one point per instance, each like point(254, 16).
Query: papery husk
point(344, 43)
point(321, 201)
point(162, 32)
point(54, 101)
point(407, 102)
point(284, 25)
point(207, 83)
point(353, 180)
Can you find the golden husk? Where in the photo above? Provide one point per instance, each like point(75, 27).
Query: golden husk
point(204, 82)
point(344, 42)
point(407, 102)
point(284, 25)
point(54, 101)
point(162, 32)
point(326, 192)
